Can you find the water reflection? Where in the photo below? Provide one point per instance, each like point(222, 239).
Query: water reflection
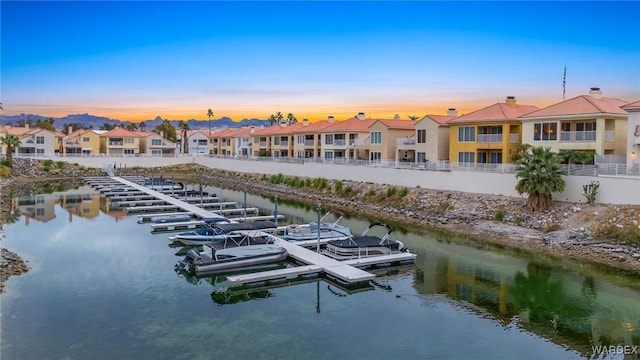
point(568, 304)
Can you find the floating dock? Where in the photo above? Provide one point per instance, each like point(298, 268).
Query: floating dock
point(347, 272)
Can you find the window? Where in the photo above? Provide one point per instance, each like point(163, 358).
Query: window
point(376, 137)
point(496, 157)
point(128, 151)
point(375, 156)
point(422, 136)
point(86, 139)
point(156, 152)
point(466, 134)
point(328, 139)
point(39, 151)
point(421, 157)
point(39, 212)
point(466, 157)
point(39, 139)
point(328, 154)
point(545, 131)
point(482, 157)
point(156, 142)
point(128, 140)
point(586, 126)
point(300, 140)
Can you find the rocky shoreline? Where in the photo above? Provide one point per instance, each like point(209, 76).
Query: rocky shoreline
point(597, 234)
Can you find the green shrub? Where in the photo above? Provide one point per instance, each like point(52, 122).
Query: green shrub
point(517, 220)
point(391, 191)
point(347, 191)
point(6, 163)
point(5, 171)
point(629, 233)
point(403, 192)
point(338, 186)
point(48, 163)
point(590, 191)
point(370, 193)
point(61, 164)
point(499, 215)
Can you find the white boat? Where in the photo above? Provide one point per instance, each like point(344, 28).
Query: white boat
point(220, 231)
point(364, 245)
point(163, 219)
point(231, 259)
point(328, 230)
point(163, 184)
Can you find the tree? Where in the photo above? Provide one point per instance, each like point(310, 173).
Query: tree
point(575, 157)
point(272, 119)
point(184, 128)
point(413, 117)
point(540, 174)
point(46, 124)
point(291, 119)
point(279, 117)
point(142, 125)
point(12, 142)
point(167, 130)
point(107, 126)
point(132, 127)
point(209, 114)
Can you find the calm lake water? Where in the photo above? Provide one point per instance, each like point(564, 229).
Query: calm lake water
point(102, 286)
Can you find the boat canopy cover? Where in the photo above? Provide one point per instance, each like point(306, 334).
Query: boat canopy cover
point(255, 225)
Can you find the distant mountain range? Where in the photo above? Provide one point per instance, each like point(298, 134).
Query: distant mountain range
point(86, 120)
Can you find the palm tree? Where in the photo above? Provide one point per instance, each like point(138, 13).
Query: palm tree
point(279, 117)
point(272, 119)
point(132, 127)
point(209, 114)
point(184, 128)
point(540, 174)
point(12, 142)
point(413, 117)
point(142, 125)
point(519, 152)
point(291, 119)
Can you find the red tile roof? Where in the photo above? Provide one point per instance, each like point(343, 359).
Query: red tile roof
point(632, 105)
point(399, 124)
point(581, 105)
point(496, 112)
point(440, 119)
point(353, 124)
point(313, 127)
point(121, 132)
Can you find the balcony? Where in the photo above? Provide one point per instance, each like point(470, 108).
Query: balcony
point(262, 144)
point(489, 138)
point(609, 135)
point(577, 136)
point(406, 141)
point(360, 142)
point(308, 143)
point(71, 144)
point(514, 138)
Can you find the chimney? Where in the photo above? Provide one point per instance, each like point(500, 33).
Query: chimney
point(361, 116)
point(396, 117)
point(595, 93)
point(511, 100)
point(252, 130)
point(69, 129)
point(305, 122)
point(331, 119)
point(26, 125)
point(452, 112)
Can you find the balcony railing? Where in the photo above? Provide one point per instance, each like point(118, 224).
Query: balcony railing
point(358, 142)
point(489, 138)
point(339, 142)
point(514, 138)
point(577, 136)
point(406, 141)
point(609, 135)
point(308, 143)
point(263, 144)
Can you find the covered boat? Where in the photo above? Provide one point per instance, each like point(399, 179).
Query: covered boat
point(231, 259)
point(163, 184)
point(328, 230)
point(220, 231)
point(364, 245)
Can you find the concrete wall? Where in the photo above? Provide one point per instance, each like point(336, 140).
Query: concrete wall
point(613, 189)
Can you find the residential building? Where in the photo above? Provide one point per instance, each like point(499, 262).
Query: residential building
point(348, 139)
point(307, 140)
point(34, 141)
point(383, 138)
point(153, 144)
point(82, 142)
point(119, 142)
point(261, 142)
point(633, 138)
point(430, 142)
point(489, 135)
point(591, 123)
point(198, 141)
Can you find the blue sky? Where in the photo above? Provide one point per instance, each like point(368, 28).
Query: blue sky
point(137, 60)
